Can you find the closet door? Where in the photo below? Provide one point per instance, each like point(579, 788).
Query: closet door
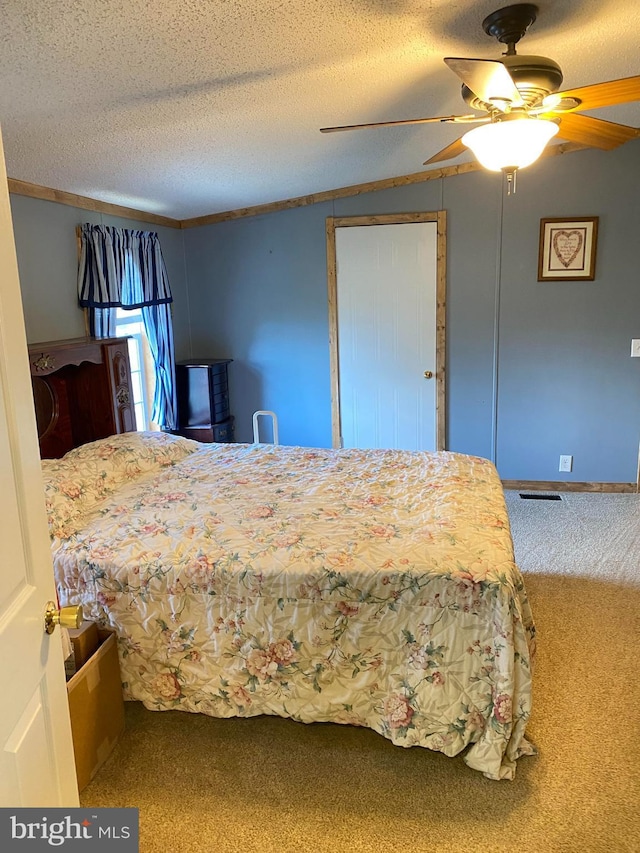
point(387, 335)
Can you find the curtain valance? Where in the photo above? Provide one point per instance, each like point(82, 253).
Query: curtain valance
point(121, 268)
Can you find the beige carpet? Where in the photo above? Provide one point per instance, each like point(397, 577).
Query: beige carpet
point(269, 785)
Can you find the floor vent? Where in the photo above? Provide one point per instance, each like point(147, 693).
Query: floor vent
point(539, 497)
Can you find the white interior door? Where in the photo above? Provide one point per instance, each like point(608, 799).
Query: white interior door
point(386, 310)
point(36, 751)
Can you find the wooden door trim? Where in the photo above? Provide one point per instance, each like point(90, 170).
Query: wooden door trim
point(441, 329)
point(332, 288)
point(333, 222)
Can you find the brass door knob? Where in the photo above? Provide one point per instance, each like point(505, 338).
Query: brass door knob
point(67, 617)
point(428, 374)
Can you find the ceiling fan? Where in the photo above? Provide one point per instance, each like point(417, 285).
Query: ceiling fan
point(521, 105)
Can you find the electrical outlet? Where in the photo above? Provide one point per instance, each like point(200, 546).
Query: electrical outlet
point(635, 348)
point(566, 463)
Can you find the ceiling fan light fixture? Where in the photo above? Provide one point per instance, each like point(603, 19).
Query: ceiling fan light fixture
point(510, 144)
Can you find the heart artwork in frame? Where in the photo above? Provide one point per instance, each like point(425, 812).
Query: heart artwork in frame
point(567, 249)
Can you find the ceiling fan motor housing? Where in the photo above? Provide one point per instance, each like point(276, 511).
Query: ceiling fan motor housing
point(535, 77)
point(510, 24)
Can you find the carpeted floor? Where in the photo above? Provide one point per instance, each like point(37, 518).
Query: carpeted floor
point(269, 785)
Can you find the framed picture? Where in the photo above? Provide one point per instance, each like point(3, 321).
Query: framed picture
point(568, 249)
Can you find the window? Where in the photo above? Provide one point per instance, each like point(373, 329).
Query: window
point(142, 374)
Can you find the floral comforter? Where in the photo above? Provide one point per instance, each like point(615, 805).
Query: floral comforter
point(370, 587)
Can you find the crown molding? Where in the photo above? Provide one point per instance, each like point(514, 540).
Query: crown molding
point(358, 189)
point(73, 200)
point(86, 203)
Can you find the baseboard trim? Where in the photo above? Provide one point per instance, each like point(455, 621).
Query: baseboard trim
point(561, 486)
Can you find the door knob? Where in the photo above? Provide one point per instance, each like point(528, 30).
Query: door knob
point(428, 374)
point(66, 617)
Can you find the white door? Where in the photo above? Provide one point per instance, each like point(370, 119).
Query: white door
point(36, 751)
point(387, 278)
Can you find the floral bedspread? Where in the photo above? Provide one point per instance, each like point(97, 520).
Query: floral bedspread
point(369, 587)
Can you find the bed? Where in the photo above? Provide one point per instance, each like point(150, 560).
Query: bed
point(367, 587)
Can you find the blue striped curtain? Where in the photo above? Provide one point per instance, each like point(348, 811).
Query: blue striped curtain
point(121, 268)
point(157, 325)
point(125, 268)
point(102, 322)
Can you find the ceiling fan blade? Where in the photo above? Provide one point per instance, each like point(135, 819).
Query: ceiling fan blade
point(595, 132)
point(454, 150)
point(469, 118)
point(605, 94)
point(488, 79)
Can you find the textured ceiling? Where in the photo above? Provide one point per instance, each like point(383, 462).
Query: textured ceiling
point(189, 107)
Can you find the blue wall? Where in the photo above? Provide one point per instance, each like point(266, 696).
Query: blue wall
point(45, 237)
point(567, 383)
point(534, 369)
point(259, 295)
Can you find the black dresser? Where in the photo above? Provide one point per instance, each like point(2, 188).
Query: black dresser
point(203, 399)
